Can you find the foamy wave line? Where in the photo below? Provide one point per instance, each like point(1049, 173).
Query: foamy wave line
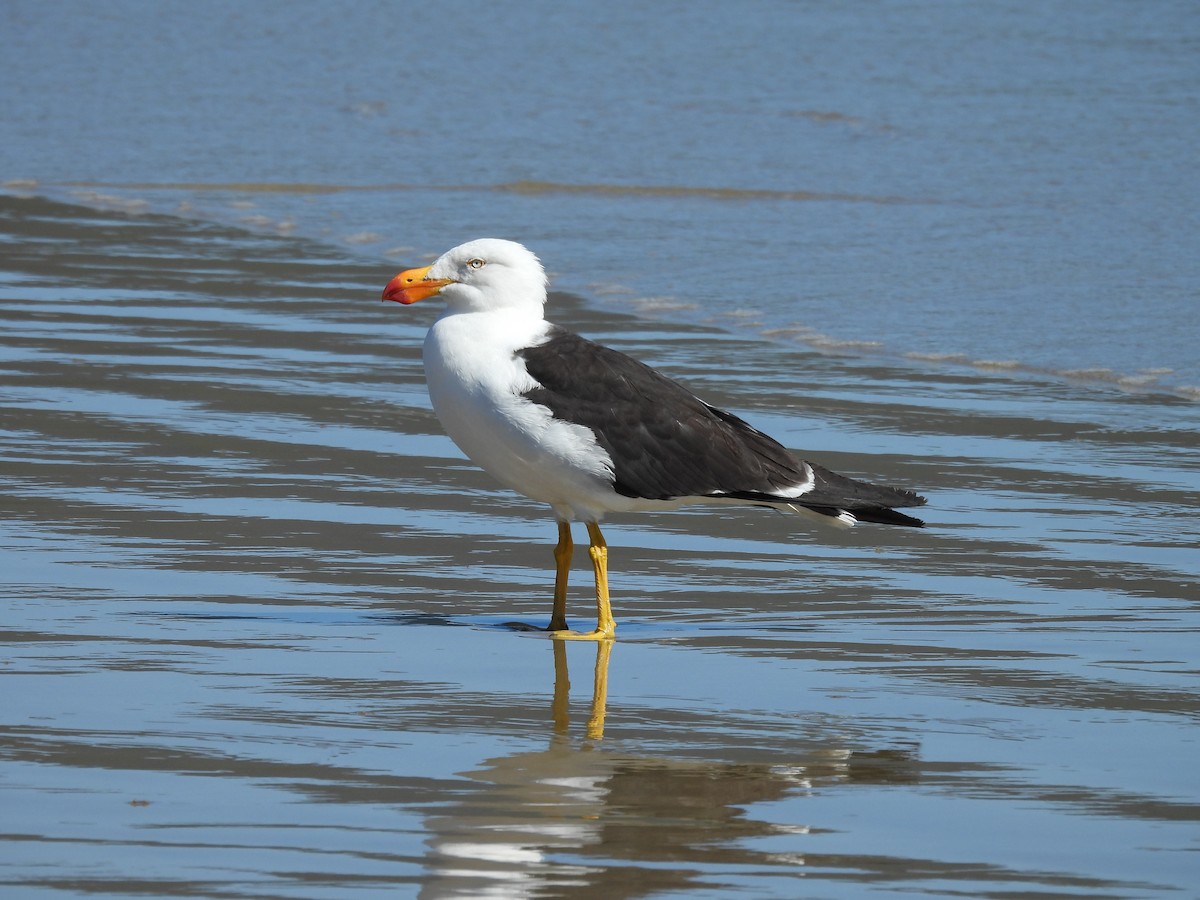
point(1146, 381)
point(1143, 381)
point(509, 187)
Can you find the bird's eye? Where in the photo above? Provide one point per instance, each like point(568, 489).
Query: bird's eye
point(477, 263)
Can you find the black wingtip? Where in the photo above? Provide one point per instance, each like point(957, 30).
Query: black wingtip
point(885, 516)
point(877, 515)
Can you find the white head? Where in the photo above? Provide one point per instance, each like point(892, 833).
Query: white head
point(476, 276)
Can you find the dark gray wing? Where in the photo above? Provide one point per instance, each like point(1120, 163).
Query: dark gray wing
point(664, 442)
point(667, 443)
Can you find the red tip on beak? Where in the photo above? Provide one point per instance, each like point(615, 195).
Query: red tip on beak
point(412, 285)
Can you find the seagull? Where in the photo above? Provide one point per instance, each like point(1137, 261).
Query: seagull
point(591, 431)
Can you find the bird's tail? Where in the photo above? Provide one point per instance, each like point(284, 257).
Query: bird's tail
point(849, 501)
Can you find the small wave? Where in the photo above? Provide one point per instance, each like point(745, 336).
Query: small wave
point(823, 342)
point(21, 187)
point(663, 305)
point(100, 200)
point(363, 237)
point(938, 357)
point(709, 193)
point(1156, 380)
point(1143, 381)
point(1005, 364)
point(514, 187)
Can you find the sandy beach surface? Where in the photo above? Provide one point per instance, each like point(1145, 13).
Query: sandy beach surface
point(255, 635)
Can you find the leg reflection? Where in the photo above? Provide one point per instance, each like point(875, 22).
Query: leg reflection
point(595, 725)
point(560, 706)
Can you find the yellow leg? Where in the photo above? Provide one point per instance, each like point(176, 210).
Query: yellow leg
point(605, 626)
point(562, 562)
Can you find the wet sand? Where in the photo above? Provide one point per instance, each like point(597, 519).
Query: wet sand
point(255, 635)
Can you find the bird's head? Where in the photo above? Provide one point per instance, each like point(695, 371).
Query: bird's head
point(479, 275)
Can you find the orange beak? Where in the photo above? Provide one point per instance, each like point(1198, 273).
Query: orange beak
point(412, 285)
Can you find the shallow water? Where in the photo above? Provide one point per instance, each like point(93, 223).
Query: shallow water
point(974, 187)
point(255, 607)
point(256, 635)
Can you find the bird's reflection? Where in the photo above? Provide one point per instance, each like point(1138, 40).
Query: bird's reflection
point(550, 820)
point(562, 689)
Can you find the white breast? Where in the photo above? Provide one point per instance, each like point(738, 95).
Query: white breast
point(476, 380)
